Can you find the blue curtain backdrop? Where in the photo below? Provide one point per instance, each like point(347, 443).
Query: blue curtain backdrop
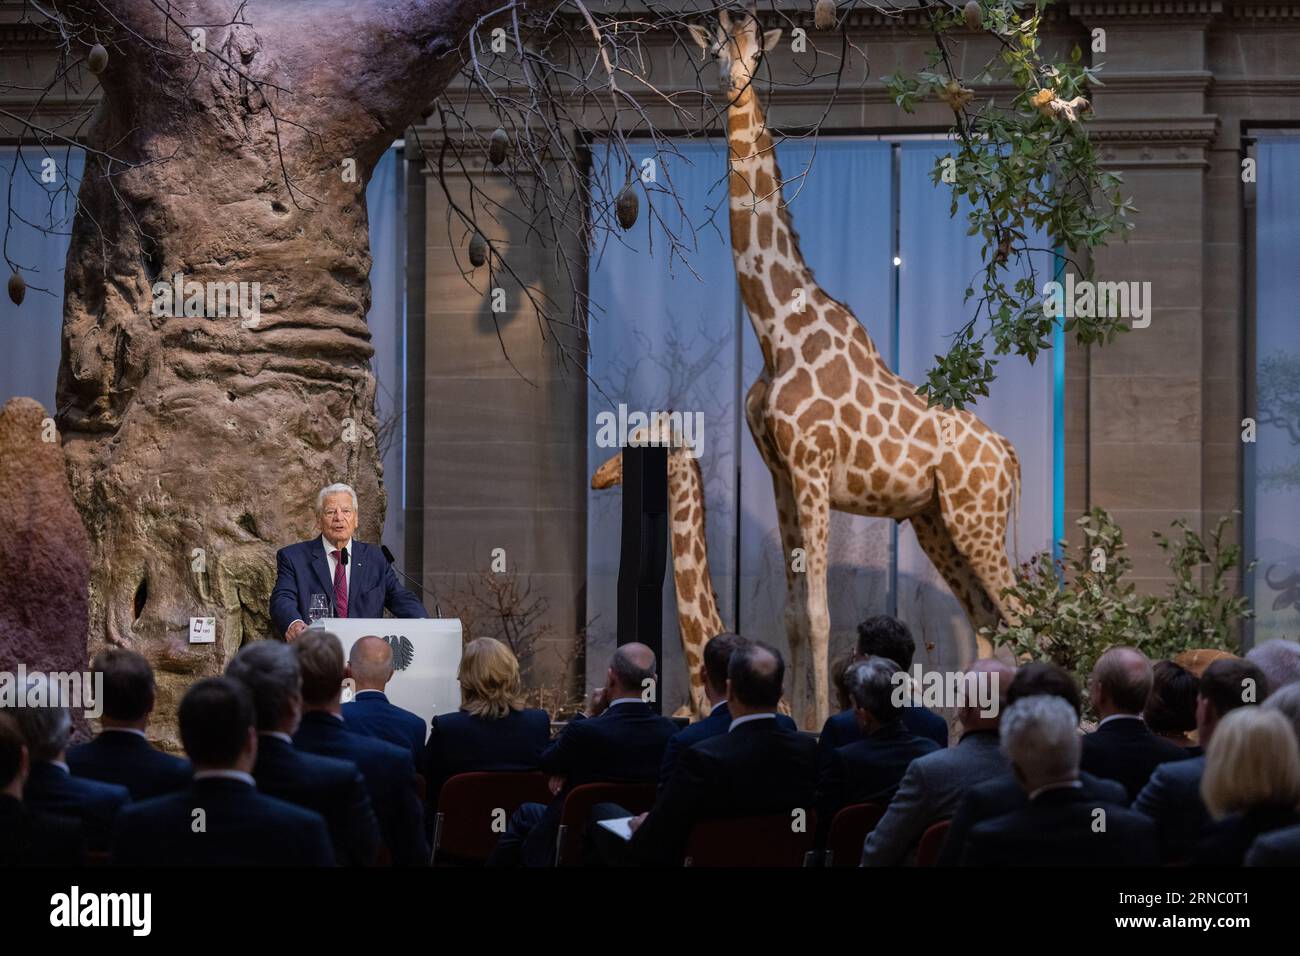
point(667, 339)
point(1273, 497)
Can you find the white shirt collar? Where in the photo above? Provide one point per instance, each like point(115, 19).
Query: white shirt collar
point(226, 775)
point(1059, 785)
point(747, 718)
point(1106, 720)
point(277, 735)
point(625, 700)
point(714, 709)
point(369, 690)
point(123, 730)
point(60, 764)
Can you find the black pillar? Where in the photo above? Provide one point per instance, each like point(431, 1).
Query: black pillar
point(644, 552)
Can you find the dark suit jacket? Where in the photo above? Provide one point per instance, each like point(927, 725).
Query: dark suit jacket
point(867, 771)
point(716, 723)
point(1227, 842)
point(1278, 848)
point(52, 789)
point(302, 570)
point(241, 827)
point(1003, 795)
point(389, 776)
point(842, 729)
point(463, 743)
point(1126, 751)
point(1057, 829)
point(31, 838)
point(1172, 799)
point(333, 788)
point(127, 759)
point(760, 767)
point(371, 714)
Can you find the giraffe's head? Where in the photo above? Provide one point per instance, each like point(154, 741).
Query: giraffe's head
point(738, 45)
point(660, 433)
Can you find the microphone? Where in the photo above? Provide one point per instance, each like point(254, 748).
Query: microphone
point(409, 580)
point(343, 557)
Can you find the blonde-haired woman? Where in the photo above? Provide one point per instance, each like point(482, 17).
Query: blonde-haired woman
point(1251, 783)
point(492, 730)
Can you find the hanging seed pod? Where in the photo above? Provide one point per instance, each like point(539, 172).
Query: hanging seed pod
point(974, 18)
point(627, 207)
point(497, 147)
point(17, 288)
point(97, 59)
point(824, 15)
point(478, 250)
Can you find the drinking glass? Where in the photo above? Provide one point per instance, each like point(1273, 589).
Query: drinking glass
point(320, 607)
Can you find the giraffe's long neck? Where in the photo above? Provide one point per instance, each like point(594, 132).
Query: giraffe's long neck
point(697, 608)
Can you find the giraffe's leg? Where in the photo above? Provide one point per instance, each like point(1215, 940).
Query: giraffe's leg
point(933, 537)
point(811, 477)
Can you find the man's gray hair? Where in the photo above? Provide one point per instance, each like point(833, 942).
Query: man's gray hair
point(1040, 736)
point(338, 488)
point(632, 673)
point(1279, 660)
point(45, 728)
point(871, 685)
point(1287, 702)
point(270, 671)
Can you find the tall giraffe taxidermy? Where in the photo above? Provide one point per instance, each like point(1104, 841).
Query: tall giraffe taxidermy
point(837, 428)
point(697, 607)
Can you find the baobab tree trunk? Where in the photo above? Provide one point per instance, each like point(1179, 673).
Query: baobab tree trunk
point(196, 444)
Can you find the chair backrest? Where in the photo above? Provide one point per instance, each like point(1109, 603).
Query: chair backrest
point(931, 845)
point(767, 840)
point(570, 842)
point(849, 832)
point(471, 808)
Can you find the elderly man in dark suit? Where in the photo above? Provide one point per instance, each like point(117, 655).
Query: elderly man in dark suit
point(713, 671)
point(934, 783)
point(386, 768)
point(353, 578)
point(1172, 797)
point(220, 819)
point(887, 637)
point(28, 837)
point(370, 662)
point(1123, 748)
point(121, 754)
point(51, 787)
point(1060, 825)
point(333, 788)
point(621, 740)
point(759, 766)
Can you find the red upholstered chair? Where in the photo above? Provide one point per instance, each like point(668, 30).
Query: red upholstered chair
point(767, 840)
point(570, 841)
point(467, 805)
point(931, 846)
point(849, 831)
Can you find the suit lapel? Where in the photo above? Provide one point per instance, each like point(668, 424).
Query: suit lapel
point(357, 586)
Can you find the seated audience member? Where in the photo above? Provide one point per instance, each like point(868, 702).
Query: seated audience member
point(759, 766)
point(370, 664)
point(621, 740)
point(869, 770)
point(1057, 826)
point(493, 730)
point(1251, 784)
point(1172, 798)
point(121, 754)
point(934, 783)
point(386, 768)
point(1122, 748)
point(1278, 848)
point(713, 671)
point(1003, 794)
point(1287, 703)
point(239, 826)
point(51, 787)
point(1279, 660)
point(333, 788)
point(27, 837)
point(887, 637)
point(1170, 711)
point(839, 680)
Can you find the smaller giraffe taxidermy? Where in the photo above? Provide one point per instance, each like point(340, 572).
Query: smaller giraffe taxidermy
point(835, 426)
point(697, 607)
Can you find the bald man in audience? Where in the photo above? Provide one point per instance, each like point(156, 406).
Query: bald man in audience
point(370, 712)
point(934, 784)
point(618, 739)
point(1123, 748)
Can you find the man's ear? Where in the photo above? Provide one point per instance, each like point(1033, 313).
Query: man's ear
point(701, 35)
point(770, 39)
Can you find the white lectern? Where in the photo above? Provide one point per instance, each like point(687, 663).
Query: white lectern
point(426, 653)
